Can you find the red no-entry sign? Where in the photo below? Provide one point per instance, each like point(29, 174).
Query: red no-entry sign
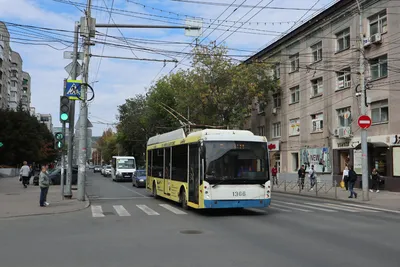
point(364, 121)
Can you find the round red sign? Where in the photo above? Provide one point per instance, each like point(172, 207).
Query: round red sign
point(364, 121)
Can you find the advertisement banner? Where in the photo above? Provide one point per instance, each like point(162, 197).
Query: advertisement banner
point(319, 157)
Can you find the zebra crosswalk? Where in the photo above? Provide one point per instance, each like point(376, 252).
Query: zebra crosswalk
point(284, 206)
point(120, 210)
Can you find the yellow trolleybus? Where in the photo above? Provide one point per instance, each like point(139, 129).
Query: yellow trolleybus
point(209, 168)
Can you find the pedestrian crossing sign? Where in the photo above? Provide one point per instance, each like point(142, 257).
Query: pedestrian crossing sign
point(73, 89)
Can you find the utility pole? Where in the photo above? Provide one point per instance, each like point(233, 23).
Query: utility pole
point(74, 75)
point(86, 31)
point(364, 140)
point(63, 155)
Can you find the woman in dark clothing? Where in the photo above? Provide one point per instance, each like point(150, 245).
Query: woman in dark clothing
point(352, 181)
point(376, 179)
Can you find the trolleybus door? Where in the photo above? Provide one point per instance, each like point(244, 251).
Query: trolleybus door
point(167, 170)
point(194, 173)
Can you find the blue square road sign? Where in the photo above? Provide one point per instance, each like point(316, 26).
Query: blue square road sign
point(73, 89)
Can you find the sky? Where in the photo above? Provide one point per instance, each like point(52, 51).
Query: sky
point(250, 29)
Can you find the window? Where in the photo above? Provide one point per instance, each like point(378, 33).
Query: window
point(14, 65)
point(13, 83)
point(13, 94)
point(261, 107)
point(380, 111)
point(295, 161)
point(294, 62)
point(25, 90)
point(317, 122)
point(294, 126)
point(343, 40)
point(317, 87)
point(179, 163)
point(294, 95)
point(317, 51)
point(378, 67)
point(378, 23)
point(14, 73)
point(157, 163)
point(276, 100)
point(24, 82)
point(276, 130)
point(0, 88)
point(1, 74)
point(344, 117)
point(277, 71)
point(261, 130)
point(343, 79)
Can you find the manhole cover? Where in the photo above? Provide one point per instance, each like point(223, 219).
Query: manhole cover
point(108, 213)
point(191, 232)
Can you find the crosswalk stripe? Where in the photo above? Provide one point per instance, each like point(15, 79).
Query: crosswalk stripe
point(351, 209)
point(372, 208)
point(275, 208)
point(172, 209)
point(97, 211)
point(324, 205)
point(121, 210)
point(293, 208)
point(309, 207)
point(147, 210)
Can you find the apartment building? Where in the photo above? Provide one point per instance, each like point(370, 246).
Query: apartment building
point(15, 84)
point(45, 119)
point(312, 118)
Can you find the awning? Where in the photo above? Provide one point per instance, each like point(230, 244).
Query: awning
point(373, 145)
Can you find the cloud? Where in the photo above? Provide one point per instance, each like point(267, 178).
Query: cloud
point(121, 79)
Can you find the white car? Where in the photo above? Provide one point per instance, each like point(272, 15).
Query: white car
point(107, 171)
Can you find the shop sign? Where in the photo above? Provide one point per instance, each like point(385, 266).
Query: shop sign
point(343, 144)
point(273, 146)
point(319, 157)
point(396, 139)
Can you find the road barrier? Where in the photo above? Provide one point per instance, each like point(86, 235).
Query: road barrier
point(320, 188)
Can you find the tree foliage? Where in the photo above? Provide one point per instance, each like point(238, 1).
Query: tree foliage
point(215, 91)
point(24, 138)
point(107, 145)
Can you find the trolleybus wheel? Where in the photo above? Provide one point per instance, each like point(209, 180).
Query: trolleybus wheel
point(154, 190)
point(183, 199)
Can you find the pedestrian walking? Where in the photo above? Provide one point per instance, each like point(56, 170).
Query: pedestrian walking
point(312, 176)
point(24, 174)
point(302, 175)
point(345, 177)
point(376, 180)
point(274, 173)
point(352, 182)
point(44, 183)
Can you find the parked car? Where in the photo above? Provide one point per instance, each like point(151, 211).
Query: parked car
point(139, 179)
point(55, 176)
point(97, 168)
point(107, 171)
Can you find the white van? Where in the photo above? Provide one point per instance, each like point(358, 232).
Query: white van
point(123, 168)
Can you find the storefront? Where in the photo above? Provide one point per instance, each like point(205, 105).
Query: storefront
point(275, 154)
point(319, 157)
point(342, 155)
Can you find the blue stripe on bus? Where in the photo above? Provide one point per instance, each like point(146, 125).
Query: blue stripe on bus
point(252, 203)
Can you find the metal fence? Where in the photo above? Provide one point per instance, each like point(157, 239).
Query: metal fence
point(320, 188)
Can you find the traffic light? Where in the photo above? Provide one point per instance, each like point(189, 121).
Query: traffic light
point(64, 109)
point(59, 140)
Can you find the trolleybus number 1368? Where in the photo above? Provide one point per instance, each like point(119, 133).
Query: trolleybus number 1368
point(239, 193)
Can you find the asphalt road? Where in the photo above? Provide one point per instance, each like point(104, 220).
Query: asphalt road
point(126, 227)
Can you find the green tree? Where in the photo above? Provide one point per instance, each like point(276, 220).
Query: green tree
point(107, 145)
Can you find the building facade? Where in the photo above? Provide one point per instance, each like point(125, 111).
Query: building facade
point(45, 119)
point(15, 84)
point(312, 118)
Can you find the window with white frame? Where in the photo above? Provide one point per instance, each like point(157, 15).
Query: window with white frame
point(276, 130)
point(294, 126)
point(378, 67)
point(380, 111)
point(276, 100)
point(343, 79)
point(317, 87)
point(378, 23)
point(317, 122)
point(294, 62)
point(344, 117)
point(295, 161)
point(261, 130)
point(343, 40)
point(294, 95)
point(277, 71)
point(317, 51)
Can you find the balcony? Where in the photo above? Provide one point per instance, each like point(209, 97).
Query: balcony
point(14, 68)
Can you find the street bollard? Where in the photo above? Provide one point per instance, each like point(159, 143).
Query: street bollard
point(335, 184)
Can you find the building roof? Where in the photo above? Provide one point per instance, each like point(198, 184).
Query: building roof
point(332, 10)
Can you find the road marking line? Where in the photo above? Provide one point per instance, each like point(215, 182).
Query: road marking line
point(97, 211)
point(172, 209)
point(275, 208)
point(351, 209)
point(307, 206)
point(131, 190)
point(284, 206)
point(121, 210)
point(117, 198)
point(147, 210)
point(371, 208)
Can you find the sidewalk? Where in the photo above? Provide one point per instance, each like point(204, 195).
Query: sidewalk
point(383, 199)
point(16, 201)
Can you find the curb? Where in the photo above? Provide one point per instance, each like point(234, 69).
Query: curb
point(366, 203)
point(87, 205)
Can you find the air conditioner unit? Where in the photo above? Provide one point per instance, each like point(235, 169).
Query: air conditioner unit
point(376, 38)
point(366, 42)
point(344, 132)
point(274, 111)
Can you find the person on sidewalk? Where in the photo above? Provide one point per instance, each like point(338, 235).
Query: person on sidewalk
point(345, 177)
point(24, 174)
point(302, 175)
point(376, 180)
point(312, 176)
point(274, 173)
point(44, 183)
point(352, 182)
